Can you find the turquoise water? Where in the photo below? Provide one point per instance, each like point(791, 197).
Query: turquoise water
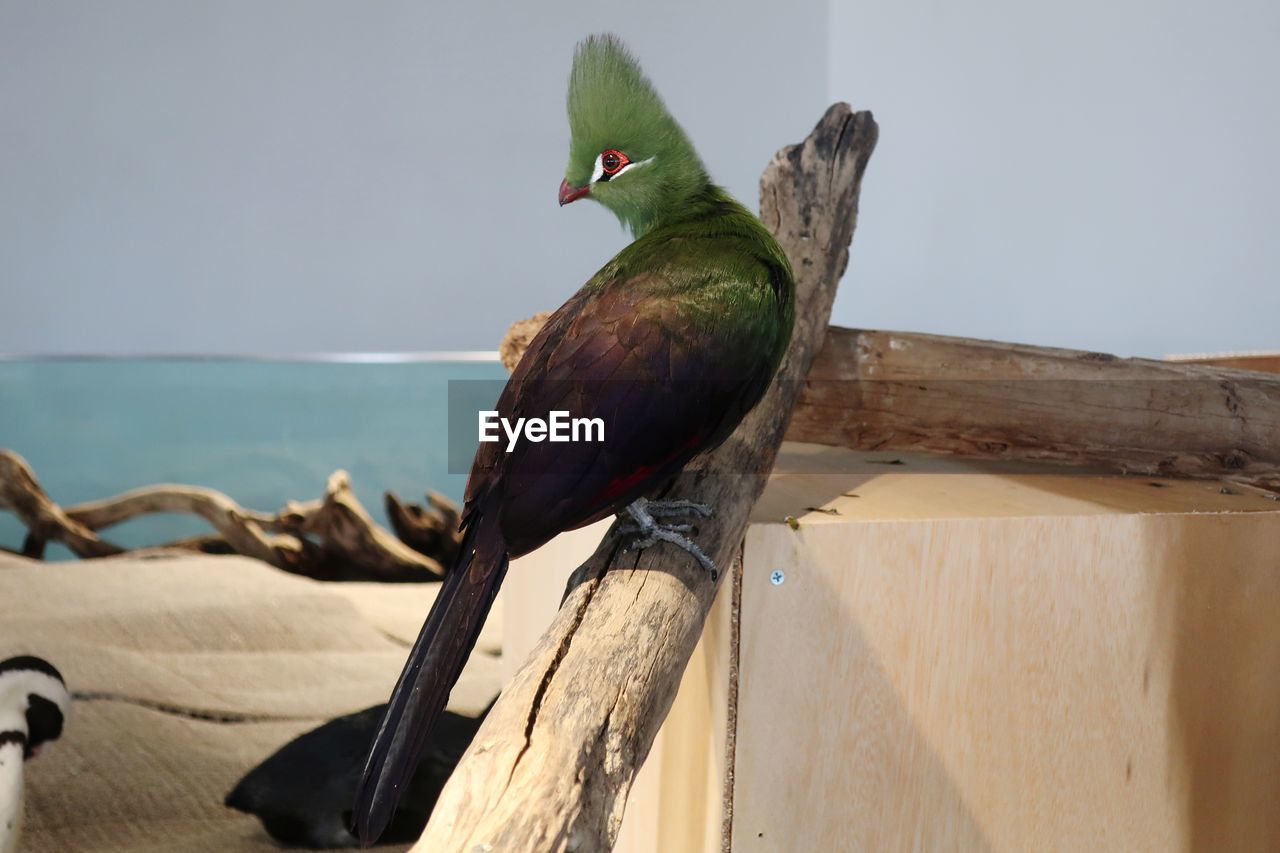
point(263, 432)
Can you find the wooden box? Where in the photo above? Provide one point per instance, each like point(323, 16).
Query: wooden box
point(943, 655)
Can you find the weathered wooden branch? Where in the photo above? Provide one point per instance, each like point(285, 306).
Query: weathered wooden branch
point(430, 529)
point(342, 527)
point(241, 529)
point(20, 493)
point(517, 338)
point(552, 765)
point(333, 538)
point(898, 391)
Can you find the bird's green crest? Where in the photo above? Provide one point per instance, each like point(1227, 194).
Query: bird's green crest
point(614, 108)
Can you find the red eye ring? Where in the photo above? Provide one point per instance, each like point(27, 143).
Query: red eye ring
point(612, 160)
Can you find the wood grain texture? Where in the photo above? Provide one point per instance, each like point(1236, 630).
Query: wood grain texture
point(872, 390)
point(1268, 362)
point(671, 808)
point(1082, 678)
point(552, 766)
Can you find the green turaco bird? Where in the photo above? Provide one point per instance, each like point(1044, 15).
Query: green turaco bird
point(670, 344)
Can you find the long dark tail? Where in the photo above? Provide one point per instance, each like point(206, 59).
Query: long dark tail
point(434, 664)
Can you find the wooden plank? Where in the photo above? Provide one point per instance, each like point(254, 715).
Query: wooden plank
point(1268, 362)
point(872, 390)
point(1092, 676)
point(846, 485)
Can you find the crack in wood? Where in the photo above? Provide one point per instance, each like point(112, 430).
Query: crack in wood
point(562, 649)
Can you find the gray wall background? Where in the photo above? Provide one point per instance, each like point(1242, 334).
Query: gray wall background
point(1101, 174)
point(319, 175)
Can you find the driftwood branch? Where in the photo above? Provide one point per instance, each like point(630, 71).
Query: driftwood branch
point(333, 538)
point(241, 529)
point(21, 494)
point(552, 765)
point(517, 339)
point(430, 529)
point(899, 391)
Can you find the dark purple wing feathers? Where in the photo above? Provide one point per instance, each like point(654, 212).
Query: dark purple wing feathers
point(613, 354)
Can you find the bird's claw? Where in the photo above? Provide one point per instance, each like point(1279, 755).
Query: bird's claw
point(670, 509)
point(636, 528)
point(648, 531)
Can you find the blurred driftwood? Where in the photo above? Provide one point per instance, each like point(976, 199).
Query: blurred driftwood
point(517, 338)
point(430, 529)
point(332, 538)
point(551, 767)
point(20, 493)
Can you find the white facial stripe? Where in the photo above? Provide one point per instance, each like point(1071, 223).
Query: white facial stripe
point(630, 166)
point(598, 172)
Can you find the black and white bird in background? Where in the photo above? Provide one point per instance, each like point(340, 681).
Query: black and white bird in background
point(33, 705)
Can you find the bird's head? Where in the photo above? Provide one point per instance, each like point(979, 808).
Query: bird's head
point(627, 152)
point(33, 702)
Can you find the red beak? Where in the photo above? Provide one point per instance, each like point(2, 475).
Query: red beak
point(569, 193)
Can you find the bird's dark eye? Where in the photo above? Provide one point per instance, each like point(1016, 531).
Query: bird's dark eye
point(612, 161)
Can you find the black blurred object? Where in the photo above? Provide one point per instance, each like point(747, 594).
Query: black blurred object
point(303, 793)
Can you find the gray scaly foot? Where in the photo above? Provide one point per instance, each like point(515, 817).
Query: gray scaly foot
point(648, 531)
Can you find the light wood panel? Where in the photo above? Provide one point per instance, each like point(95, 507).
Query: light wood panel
point(1099, 674)
point(937, 669)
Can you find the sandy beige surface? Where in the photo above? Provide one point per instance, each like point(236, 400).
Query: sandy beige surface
point(188, 672)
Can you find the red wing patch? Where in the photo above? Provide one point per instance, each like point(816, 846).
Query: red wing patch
point(621, 485)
